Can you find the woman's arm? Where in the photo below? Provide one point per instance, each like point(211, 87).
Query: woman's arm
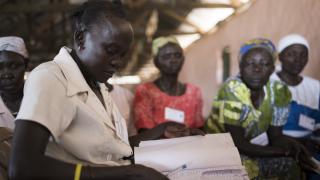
point(164, 130)
point(28, 160)
point(245, 147)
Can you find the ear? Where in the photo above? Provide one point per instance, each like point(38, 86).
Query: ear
point(78, 38)
point(156, 61)
point(272, 70)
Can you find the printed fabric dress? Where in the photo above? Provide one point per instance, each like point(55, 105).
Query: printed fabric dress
point(233, 106)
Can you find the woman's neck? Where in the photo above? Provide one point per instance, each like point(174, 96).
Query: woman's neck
point(90, 81)
point(290, 79)
point(12, 96)
point(257, 97)
point(13, 100)
point(169, 84)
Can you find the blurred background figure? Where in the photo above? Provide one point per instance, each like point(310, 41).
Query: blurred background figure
point(167, 99)
point(304, 117)
point(13, 64)
point(253, 109)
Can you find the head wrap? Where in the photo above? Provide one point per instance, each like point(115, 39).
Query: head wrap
point(162, 41)
point(258, 43)
point(291, 40)
point(13, 44)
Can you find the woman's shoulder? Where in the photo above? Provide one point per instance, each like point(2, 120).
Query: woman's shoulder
point(46, 72)
point(192, 87)
point(233, 84)
point(145, 88)
point(310, 80)
point(280, 92)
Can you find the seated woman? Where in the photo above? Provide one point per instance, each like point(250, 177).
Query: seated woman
point(166, 99)
point(68, 127)
point(304, 117)
point(254, 109)
point(13, 64)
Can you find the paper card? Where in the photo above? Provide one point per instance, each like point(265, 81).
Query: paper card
point(307, 122)
point(261, 140)
point(174, 115)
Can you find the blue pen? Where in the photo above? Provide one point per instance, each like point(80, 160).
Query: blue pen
point(177, 170)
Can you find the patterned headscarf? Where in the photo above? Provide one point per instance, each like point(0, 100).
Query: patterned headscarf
point(14, 44)
point(258, 43)
point(162, 41)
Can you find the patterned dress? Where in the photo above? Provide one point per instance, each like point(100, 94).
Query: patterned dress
point(150, 104)
point(233, 106)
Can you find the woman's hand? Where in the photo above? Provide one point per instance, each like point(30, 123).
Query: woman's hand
point(140, 172)
point(174, 130)
point(296, 150)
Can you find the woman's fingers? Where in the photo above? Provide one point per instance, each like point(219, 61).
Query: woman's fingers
point(196, 131)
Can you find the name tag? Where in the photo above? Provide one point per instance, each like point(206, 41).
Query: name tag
point(261, 140)
point(307, 122)
point(174, 115)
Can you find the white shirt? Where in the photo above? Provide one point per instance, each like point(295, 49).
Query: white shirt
point(57, 96)
point(304, 115)
point(6, 118)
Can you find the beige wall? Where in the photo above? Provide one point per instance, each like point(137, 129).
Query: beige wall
point(265, 18)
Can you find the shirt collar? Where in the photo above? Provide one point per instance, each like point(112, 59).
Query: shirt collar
point(75, 80)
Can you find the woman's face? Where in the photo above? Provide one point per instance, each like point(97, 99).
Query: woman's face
point(169, 59)
point(256, 67)
point(104, 47)
point(294, 58)
point(12, 69)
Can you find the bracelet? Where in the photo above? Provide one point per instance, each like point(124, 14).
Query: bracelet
point(77, 172)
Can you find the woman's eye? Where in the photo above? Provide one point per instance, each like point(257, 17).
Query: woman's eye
point(290, 54)
point(178, 55)
point(304, 55)
point(166, 56)
point(13, 66)
point(111, 50)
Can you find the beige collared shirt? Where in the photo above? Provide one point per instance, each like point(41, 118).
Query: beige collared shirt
point(6, 118)
point(57, 96)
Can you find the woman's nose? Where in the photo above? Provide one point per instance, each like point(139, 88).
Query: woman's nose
point(257, 67)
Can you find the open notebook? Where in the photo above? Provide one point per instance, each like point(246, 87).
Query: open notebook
point(213, 156)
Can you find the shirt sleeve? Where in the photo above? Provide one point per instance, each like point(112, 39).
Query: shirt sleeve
point(45, 102)
point(143, 115)
point(281, 104)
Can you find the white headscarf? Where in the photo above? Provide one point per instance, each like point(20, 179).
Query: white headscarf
point(14, 44)
point(290, 40)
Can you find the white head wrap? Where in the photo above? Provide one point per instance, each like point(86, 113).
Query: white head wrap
point(13, 44)
point(290, 40)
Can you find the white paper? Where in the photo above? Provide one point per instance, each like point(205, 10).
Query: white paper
point(261, 140)
point(174, 115)
point(201, 152)
point(212, 156)
point(223, 173)
point(307, 122)
point(220, 140)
